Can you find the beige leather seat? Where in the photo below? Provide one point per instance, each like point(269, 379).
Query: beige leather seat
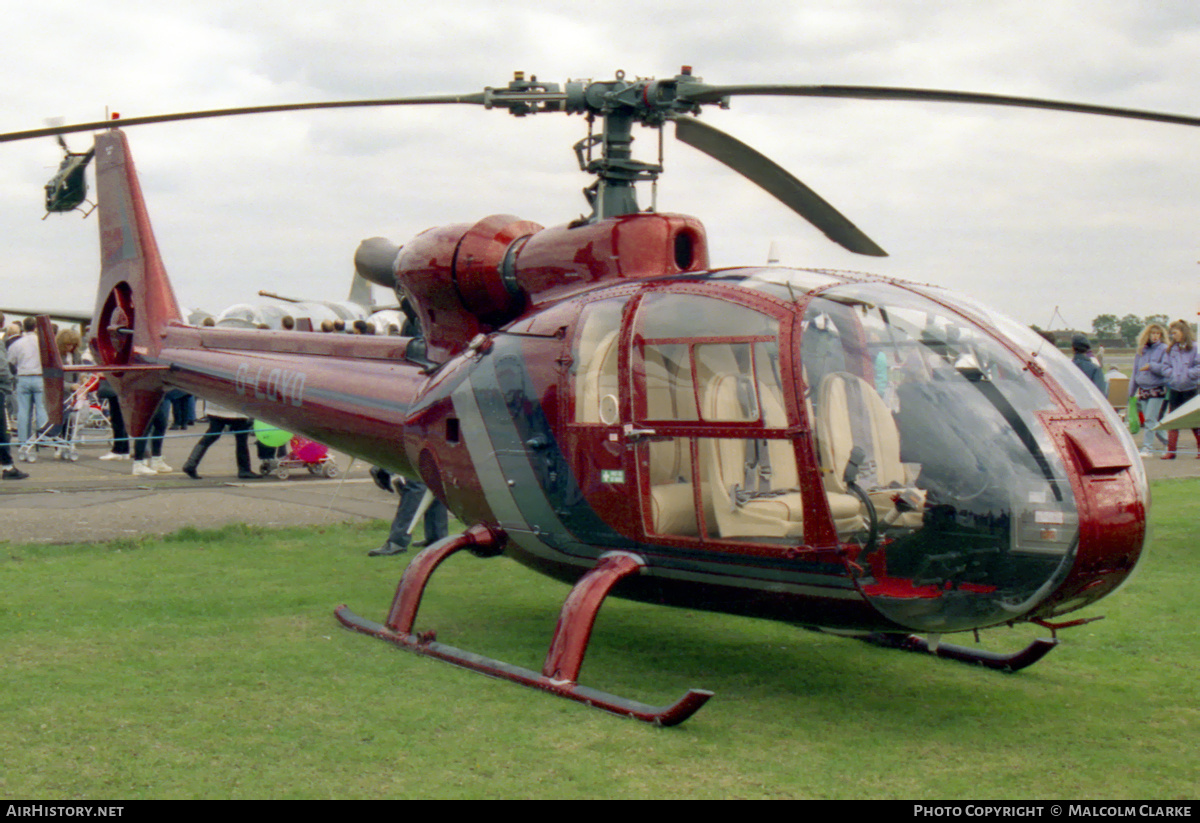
point(773, 509)
point(851, 413)
point(753, 503)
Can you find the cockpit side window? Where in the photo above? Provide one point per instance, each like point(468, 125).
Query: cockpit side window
point(686, 342)
point(594, 353)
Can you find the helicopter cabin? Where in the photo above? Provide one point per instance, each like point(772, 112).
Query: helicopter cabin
point(773, 410)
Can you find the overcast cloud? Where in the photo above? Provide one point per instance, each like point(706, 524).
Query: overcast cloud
point(1022, 209)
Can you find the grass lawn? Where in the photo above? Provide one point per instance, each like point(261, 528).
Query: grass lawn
point(209, 664)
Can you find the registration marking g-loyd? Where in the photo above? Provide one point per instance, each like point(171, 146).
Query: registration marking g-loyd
point(279, 385)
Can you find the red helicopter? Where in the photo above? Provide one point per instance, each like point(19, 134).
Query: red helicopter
point(837, 451)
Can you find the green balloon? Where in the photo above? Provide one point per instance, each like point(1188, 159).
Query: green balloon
point(270, 436)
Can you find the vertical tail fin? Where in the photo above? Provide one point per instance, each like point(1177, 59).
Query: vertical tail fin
point(133, 280)
point(135, 300)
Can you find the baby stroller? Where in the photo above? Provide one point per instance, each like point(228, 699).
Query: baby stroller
point(302, 454)
point(89, 420)
point(83, 416)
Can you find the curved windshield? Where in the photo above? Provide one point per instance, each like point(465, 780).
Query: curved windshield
point(965, 514)
point(1060, 369)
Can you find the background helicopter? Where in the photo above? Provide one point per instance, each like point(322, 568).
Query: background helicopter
point(67, 189)
point(280, 310)
point(359, 305)
point(606, 409)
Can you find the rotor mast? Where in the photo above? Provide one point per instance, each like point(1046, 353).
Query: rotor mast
point(618, 104)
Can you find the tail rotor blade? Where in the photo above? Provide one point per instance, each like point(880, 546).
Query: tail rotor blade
point(777, 181)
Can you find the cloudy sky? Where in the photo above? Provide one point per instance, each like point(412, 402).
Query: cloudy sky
point(1026, 210)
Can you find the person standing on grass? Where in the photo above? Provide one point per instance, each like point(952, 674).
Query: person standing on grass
point(1180, 367)
point(411, 493)
point(1150, 388)
point(1087, 363)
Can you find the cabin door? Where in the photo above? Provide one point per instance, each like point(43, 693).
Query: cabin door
point(708, 425)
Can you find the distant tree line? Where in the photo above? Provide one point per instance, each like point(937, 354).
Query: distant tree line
point(1127, 328)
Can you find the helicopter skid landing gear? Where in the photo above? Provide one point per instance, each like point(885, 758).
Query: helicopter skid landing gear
point(565, 656)
point(1016, 661)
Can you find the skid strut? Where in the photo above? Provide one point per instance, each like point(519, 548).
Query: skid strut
point(560, 672)
point(1016, 661)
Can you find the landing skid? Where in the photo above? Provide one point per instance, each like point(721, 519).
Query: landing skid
point(560, 672)
point(1016, 661)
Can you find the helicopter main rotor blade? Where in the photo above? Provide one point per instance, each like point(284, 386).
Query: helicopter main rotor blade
point(701, 93)
point(51, 131)
point(777, 181)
